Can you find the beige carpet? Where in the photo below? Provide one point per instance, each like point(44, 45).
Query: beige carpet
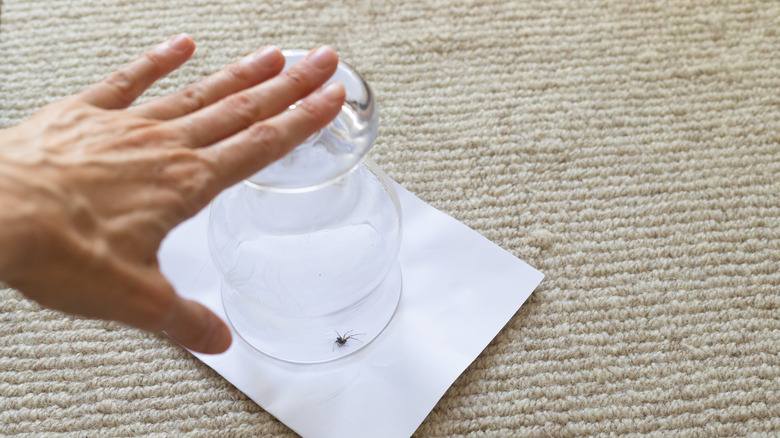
point(628, 149)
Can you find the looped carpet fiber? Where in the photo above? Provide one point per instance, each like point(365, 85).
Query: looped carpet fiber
point(630, 150)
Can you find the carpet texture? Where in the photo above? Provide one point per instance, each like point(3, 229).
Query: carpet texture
point(630, 150)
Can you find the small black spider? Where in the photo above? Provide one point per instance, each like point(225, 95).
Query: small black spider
point(341, 340)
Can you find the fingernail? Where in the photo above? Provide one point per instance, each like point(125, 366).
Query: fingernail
point(321, 57)
point(333, 91)
point(177, 43)
point(262, 56)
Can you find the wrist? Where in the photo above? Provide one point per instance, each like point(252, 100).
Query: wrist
point(15, 240)
point(16, 226)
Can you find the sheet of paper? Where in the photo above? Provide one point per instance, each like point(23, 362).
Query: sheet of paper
point(459, 290)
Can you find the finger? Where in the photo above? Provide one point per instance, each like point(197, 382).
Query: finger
point(122, 87)
point(197, 328)
point(248, 72)
point(243, 154)
point(152, 304)
point(241, 110)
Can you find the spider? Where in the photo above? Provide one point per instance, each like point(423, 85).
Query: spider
point(341, 340)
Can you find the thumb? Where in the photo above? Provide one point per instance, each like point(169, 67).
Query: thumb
point(197, 328)
point(189, 323)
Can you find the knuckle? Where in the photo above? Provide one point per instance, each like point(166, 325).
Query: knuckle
point(309, 111)
point(193, 98)
point(193, 180)
point(242, 107)
point(201, 190)
point(298, 77)
point(146, 302)
point(141, 132)
point(238, 72)
point(159, 309)
point(122, 83)
point(157, 133)
point(155, 60)
point(64, 113)
point(265, 134)
point(270, 139)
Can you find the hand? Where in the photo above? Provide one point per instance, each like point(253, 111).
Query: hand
point(89, 187)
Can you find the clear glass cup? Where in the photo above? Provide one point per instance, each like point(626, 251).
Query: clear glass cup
point(308, 247)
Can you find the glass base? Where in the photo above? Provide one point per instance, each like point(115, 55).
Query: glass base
point(314, 339)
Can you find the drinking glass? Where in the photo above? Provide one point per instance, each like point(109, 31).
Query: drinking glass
point(307, 248)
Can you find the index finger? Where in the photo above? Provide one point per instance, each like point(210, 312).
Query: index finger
point(122, 87)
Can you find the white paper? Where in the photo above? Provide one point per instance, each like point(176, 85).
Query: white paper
point(459, 290)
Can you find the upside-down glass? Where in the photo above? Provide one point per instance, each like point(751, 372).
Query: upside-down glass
point(308, 247)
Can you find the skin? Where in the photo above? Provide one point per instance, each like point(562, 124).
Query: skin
point(90, 187)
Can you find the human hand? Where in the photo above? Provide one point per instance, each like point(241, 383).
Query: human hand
point(89, 187)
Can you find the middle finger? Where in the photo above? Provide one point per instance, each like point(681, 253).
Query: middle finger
point(241, 110)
